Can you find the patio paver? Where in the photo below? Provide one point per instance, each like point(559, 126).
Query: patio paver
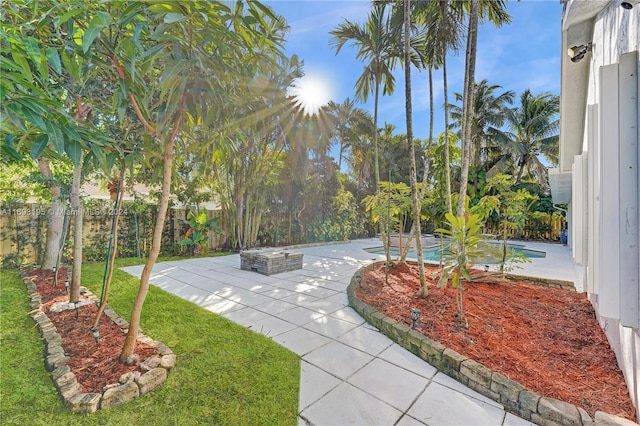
point(350, 373)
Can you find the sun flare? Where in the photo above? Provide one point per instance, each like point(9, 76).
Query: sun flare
point(311, 92)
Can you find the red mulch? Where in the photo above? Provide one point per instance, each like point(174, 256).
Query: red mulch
point(546, 339)
point(95, 365)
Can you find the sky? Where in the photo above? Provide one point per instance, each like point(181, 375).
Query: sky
point(524, 54)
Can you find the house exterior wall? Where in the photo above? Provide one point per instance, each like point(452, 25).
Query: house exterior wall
point(605, 189)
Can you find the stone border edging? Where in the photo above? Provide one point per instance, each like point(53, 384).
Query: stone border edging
point(130, 386)
point(512, 395)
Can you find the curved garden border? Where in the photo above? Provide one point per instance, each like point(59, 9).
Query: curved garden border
point(512, 395)
point(130, 386)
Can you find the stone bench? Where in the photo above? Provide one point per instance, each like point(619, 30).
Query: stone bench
point(270, 262)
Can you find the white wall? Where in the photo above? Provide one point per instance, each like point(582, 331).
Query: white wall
point(608, 176)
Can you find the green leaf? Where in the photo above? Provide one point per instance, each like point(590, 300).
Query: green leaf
point(73, 150)
point(89, 36)
point(31, 46)
point(68, 15)
point(39, 146)
point(23, 64)
point(98, 23)
point(34, 118)
point(171, 18)
point(55, 137)
point(54, 59)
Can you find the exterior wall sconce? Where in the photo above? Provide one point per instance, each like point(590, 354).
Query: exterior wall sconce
point(576, 53)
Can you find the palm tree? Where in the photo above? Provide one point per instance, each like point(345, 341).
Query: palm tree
point(444, 24)
point(412, 150)
point(533, 132)
point(377, 49)
point(489, 111)
point(494, 10)
point(347, 122)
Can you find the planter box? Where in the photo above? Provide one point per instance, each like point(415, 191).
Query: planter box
point(270, 262)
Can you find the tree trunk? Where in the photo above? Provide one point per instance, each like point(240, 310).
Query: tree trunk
point(412, 150)
point(77, 213)
point(447, 153)
point(56, 215)
point(470, 68)
point(126, 356)
point(427, 168)
point(113, 250)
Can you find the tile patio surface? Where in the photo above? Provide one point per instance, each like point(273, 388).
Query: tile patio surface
point(350, 373)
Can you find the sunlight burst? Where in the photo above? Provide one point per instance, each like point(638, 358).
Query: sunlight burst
point(311, 92)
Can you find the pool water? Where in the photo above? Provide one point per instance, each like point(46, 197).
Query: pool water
point(432, 253)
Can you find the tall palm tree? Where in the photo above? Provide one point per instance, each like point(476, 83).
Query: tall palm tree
point(376, 48)
point(444, 25)
point(494, 11)
point(412, 150)
point(533, 132)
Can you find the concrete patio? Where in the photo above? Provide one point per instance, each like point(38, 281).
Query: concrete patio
point(350, 373)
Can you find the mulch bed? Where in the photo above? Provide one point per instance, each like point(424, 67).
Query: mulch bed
point(95, 364)
point(546, 339)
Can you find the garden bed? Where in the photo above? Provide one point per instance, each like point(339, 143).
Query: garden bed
point(84, 366)
point(526, 346)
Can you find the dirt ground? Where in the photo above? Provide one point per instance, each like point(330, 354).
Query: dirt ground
point(546, 339)
point(94, 364)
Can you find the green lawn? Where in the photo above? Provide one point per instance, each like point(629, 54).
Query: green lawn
point(225, 374)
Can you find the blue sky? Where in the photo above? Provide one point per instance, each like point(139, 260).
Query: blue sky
point(524, 54)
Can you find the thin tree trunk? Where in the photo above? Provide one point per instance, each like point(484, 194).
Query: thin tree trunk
point(114, 249)
point(412, 150)
point(128, 348)
point(427, 168)
point(55, 222)
point(447, 152)
point(472, 41)
point(76, 209)
point(383, 221)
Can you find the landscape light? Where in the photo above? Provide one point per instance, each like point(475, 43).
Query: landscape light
point(415, 315)
point(75, 304)
point(66, 286)
point(626, 5)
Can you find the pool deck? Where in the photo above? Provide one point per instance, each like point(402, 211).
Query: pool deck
point(351, 374)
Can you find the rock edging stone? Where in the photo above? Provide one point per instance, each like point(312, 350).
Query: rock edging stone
point(130, 386)
point(512, 395)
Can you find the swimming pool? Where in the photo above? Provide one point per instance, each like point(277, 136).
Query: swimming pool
point(432, 253)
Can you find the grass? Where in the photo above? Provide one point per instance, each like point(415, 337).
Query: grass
point(225, 374)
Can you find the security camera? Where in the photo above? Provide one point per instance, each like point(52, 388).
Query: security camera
point(576, 53)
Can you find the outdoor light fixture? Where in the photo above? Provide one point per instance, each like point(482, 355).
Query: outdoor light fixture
point(576, 53)
point(359, 280)
point(415, 315)
point(626, 5)
point(486, 268)
point(66, 286)
point(53, 282)
point(75, 304)
point(96, 334)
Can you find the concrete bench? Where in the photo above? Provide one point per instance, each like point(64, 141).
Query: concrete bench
point(270, 261)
